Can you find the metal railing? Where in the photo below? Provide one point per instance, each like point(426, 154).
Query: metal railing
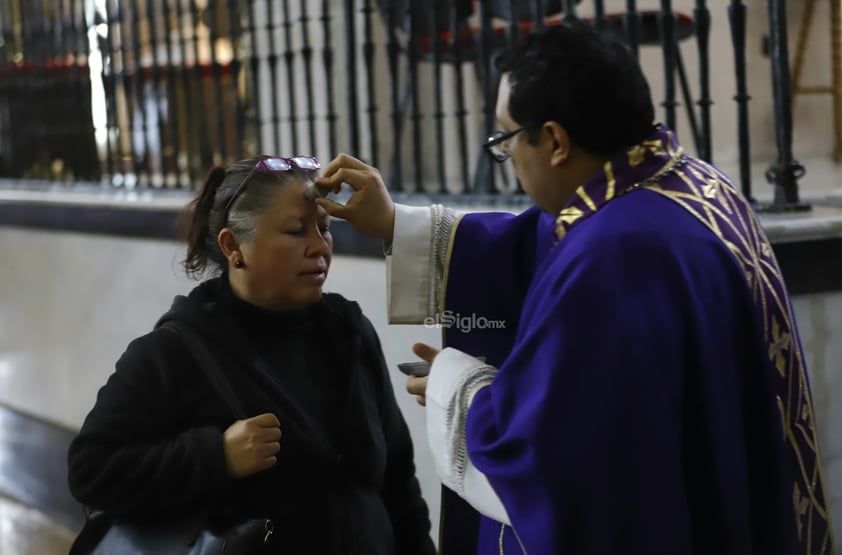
point(152, 93)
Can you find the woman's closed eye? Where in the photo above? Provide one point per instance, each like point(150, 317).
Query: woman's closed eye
point(302, 231)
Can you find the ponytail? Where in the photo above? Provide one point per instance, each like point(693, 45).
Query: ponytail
point(195, 224)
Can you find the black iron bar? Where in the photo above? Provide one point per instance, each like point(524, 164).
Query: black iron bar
point(39, 47)
point(188, 111)
point(599, 18)
point(687, 96)
point(415, 19)
point(327, 58)
point(85, 151)
point(69, 133)
point(73, 138)
point(57, 50)
point(307, 58)
point(275, 95)
point(737, 20)
point(61, 130)
point(785, 173)
point(125, 131)
point(438, 115)
point(701, 14)
point(484, 179)
point(669, 44)
point(254, 65)
point(514, 24)
point(289, 64)
point(369, 58)
point(141, 166)
point(235, 37)
point(632, 26)
point(174, 142)
point(460, 28)
point(7, 26)
point(204, 156)
point(111, 81)
point(540, 12)
point(351, 77)
point(570, 10)
point(82, 48)
point(835, 23)
point(164, 130)
point(216, 69)
point(64, 130)
point(17, 29)
point(393, 50)
point(78, 31)
point(110, 75)
point(29, 59)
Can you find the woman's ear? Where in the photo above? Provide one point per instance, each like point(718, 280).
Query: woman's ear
point(560, 143)
point(229, 246)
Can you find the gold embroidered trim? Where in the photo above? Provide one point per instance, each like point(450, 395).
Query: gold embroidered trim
point(714, 203)
point(446, 272)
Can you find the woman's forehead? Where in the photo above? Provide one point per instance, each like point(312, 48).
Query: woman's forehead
point(291, 202)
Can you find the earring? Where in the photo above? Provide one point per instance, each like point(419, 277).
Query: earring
point(238, 263)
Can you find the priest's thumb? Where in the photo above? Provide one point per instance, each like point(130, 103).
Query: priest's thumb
point(425, 351)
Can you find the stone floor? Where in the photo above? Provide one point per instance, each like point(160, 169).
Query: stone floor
point(27, 531)
point(38, 516)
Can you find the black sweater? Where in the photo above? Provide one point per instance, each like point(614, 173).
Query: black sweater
point(151, 448)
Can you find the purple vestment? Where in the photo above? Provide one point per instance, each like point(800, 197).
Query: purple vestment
point(651, 395)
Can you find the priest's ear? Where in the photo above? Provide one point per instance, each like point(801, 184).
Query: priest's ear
point(559, 142)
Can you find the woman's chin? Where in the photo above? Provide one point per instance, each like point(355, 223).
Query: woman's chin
point(313, 296)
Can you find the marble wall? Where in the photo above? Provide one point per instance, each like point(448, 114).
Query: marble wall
point(70, 303)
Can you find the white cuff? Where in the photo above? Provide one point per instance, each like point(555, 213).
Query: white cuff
point(454, 380)
point(408, 268)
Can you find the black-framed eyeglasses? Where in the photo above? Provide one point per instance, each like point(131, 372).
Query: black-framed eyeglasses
point(497, 144)
point(274, 164)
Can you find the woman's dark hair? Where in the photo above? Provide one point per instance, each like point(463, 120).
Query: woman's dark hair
point(587, 81)
point(205, 216)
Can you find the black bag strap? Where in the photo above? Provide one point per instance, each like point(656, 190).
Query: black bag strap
point(209, 366)
point(96, 526)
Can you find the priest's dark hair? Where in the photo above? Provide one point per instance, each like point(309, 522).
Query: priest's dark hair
point(587, 81)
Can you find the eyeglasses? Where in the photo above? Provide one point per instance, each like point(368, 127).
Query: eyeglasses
point(499, 140)
point(272, 164)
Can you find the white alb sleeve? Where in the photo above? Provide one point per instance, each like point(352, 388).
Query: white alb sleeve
point(415, 267)
point(454, 380)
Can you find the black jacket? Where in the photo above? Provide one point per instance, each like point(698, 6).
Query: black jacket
point(151, 448)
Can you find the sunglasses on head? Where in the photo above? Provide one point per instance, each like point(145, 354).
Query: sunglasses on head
point(274, 164)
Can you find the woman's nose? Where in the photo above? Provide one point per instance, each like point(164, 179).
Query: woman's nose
point(317, 242)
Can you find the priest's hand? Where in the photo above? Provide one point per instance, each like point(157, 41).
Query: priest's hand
point(252, 445)
point(370, 209)
point(418, 386)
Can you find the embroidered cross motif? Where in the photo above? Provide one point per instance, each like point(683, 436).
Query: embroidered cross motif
point(638, 153)
point(801, 503)
point(709, 189)
point(780, 344)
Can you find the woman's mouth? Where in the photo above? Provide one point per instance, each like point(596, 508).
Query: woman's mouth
point(315, 276)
